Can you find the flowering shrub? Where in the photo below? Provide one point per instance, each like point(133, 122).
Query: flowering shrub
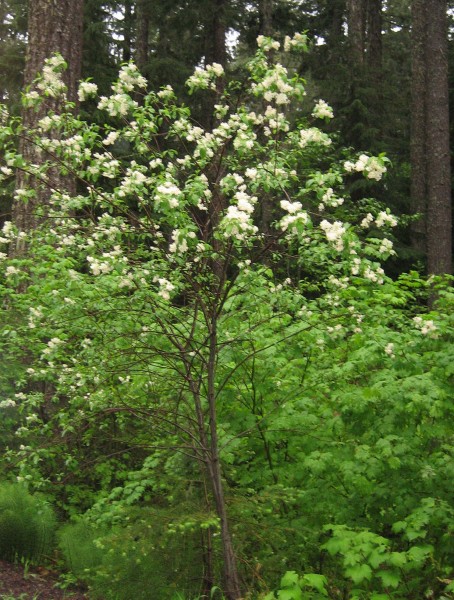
point(180, 298)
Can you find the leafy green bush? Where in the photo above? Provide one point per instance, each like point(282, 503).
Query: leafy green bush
point(27, 524)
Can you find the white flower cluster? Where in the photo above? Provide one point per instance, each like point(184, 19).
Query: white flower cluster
point(371, 166)
point(86, 90)
point(179, 243)
point(111, 138)
point(338, 283)
point(166, 93)
point(368, 219)
point(329, 199)
point(167, 193)
point(385, 218)
point(386, 247)
point(334, 233)
point(374, 275)
point(99, 267)
point(9, 403)
point(267, 44)
point(426, 326)
point(105, 264)
point(237, 221)
point(5, 172)
point(117, 105)
point(51, 78)
point(322, 110)
point(22, 194)
point(165, 287)
point(295, 219)
point(8, 232)
point(31, 99)
point(244, 140)
point(72, 148)
point(134, 179)
point(313, 135)
point(11, 270)
point(49, 122)
point(292, 223)
point(275, 86)
point(298, 42)
point(35, 313)
point(104, 165)
point(291, 207)
point(52, 345)
point(389, 350)
point(128, 79)
point(369, 271)
point(205, 78)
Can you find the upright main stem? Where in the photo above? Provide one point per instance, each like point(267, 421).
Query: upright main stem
point(232, 586)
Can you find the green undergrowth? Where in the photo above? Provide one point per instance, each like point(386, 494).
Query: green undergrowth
point(27, 525)
point(137, 559)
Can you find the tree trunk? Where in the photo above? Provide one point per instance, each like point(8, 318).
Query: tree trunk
point(143, 29)
point(127, 30)
point(418, 126)
point(356, 19)
point(336, 10)
point(232, 585)
point(215, 34)
point(374, 38)
point(430, 152)
point(266, 17)
point(52, 27)
point(439, 215)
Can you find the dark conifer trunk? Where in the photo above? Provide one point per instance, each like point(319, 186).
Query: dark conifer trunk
point(418, 125)
point(266, 17)
point(215, 36)
point(52, 27)
point(127, 30)
point(439, 216)
point(143, 30)
point(430, 152)
point(356, 20)
point(374, 38)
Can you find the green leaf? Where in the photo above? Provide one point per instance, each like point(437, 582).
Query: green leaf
point(289, 579)
point(315, 581)
point(359, 572)
point(397, 559)
point(293, 594)
point(389, 578)
point(419, 553)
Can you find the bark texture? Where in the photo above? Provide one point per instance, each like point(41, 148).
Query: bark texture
point(430, 152)
point(439, 215)
point(128, 26)
point(374, 37)
point(53, 26)
point(418, 125)
point(356, 19)
point(216, 49)
point(143, 31)
point(266, 17)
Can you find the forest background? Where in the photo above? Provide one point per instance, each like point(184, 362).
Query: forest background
point(268, 414)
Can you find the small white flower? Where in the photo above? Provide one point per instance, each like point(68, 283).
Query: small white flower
point(86, 89)
point(10, 270)
point(322, 110)
point(389, 350)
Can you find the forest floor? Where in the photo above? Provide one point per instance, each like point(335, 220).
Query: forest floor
point(33, 584)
